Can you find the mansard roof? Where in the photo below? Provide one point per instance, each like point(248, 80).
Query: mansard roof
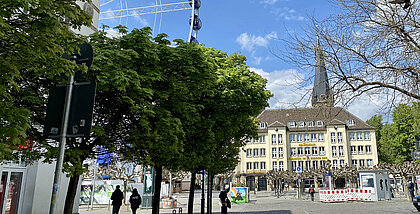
point(328, 116)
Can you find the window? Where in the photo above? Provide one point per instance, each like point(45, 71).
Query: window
point(335, 164)
point(315, 164)
point(307, 150)
point(321, 137)
point(308, 165)
point(341, 163)
point(362, 163)
point(311, 124)
point(367, 135)
point(280, 152)
point(334, 151)
point(360, 149)
point(273, 139)
point(299, 137)
point(368, 149)
point(256, 165)
point(249, 166)
point(292, 124)
point(319, 123)
point(262, 152)
point(274, 165)
point(255, 152)
point(359, 136)
point(350, 122)
point(274, 153)
point(306, 137)
point(249, 152)
point(262, 165)
point(341, 151)
point(322, 163)
point(300, 151)
point(332, 137)
point(313, 137)
point(281, 165)
point(301, 124)
point(314, 150)
point(248, 141)
point(294, 165)
point(352, 136)
point(321, 150)
point(262, 125)
point(255, 140)
point(339, 137)
point(354, 163)
point(300, 163)
point(262, 138)
point(369, 162)
point(280, 138)
point(293, 151)
point(353, 150)
point(292, 138)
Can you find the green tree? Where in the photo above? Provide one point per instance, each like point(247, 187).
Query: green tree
point(32, 39)
point(376, 121)
point(386, 150)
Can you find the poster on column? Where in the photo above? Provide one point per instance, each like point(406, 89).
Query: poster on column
point(239, 194)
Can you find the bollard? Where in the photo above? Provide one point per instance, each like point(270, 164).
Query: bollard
point(180, 210)
point(174, 211)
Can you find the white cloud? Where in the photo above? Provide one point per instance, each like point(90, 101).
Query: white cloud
point(270, 2)
point(289, 92)
point(287, 14)
point(143, 22)
point(112, 33)
point(249, 42)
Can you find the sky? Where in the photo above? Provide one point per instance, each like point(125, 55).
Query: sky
point(254, 28)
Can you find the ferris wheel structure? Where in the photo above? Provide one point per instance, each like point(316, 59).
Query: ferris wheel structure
point(154, 7)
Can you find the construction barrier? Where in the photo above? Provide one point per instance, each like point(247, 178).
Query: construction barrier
point(345, 195)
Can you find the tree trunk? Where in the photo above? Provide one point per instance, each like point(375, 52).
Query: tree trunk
point(71, 193)
point(203, 200)
point(191, 195)
point(209, 192)
point(156, 195)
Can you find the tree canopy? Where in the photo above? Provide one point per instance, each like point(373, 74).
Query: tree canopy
point(370, 47)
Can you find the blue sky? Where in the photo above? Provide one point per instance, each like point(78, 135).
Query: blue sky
point(251, 27)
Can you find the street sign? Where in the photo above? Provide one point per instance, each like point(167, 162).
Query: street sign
point(298, 169)
point(415, 155)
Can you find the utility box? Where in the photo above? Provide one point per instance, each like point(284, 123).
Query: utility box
point(378, 182)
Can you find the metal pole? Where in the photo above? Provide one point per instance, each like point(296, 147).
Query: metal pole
point(92, 197)
point(192, 20)
point(62, 144)
point(202, 192)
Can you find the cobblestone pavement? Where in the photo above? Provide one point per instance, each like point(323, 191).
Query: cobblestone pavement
point(267, 203)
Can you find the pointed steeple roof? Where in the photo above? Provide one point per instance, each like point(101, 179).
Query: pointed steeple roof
point(321, 94)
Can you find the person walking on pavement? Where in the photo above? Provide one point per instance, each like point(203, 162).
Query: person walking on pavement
point(411, 189)
point(224, 200)
point(312, 192)
point(117, 197)
point(135, 200)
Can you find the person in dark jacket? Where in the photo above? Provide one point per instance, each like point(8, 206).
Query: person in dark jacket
point(117, 197)
point(411, 189)
point(135, 201)
point(224, 200)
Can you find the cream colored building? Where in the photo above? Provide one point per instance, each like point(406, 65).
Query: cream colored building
point(307, 137)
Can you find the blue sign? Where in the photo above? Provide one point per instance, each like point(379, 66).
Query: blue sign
point(298, 169)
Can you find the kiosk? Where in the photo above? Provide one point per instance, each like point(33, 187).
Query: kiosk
point(377, 181)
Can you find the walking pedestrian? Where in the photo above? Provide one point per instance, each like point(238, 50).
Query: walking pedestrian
point(312, 192)
point(411, 189)
point(224, 200)
point(117, 197)
point(135, 200)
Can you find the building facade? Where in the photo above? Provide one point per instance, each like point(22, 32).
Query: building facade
point(307, 137)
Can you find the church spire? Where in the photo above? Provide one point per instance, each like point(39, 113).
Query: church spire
point(321, 94)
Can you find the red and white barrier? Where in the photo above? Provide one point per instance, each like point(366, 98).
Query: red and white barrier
point(345, 195)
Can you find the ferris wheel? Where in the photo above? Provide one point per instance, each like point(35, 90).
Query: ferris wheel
point(124, 9)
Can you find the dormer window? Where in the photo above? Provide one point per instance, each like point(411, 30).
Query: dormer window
point(292, 124)
point(301, 124)
point(311, 124)
point(319, 123)
point(262, 125)
point(351, 122)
